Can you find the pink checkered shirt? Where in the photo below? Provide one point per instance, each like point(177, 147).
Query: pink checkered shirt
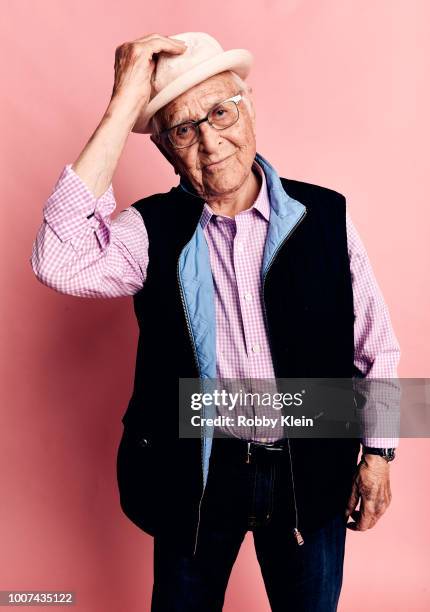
point(97, 256)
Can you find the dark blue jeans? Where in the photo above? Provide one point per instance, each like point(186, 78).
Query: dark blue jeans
point(254, 496)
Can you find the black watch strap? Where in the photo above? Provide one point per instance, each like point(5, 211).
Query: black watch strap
point(387, 453)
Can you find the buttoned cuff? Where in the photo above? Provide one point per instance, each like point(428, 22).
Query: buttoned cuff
point(380, 442)
point(70, 208)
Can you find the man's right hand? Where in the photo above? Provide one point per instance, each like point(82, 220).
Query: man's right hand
point(134, 66)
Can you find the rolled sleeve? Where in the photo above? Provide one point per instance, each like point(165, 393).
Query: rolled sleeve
point(71, 207)
point(377, 350)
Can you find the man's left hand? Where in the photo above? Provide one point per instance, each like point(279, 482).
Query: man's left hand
point(371, 486)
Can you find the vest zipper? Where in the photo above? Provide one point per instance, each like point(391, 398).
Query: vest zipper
point(296, 533)
point(187, 317)
point(190, 332)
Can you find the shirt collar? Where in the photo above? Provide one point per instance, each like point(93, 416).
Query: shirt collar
point(262, 202)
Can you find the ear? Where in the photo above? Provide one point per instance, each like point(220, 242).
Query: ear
point(165, 153)
point(249, 105)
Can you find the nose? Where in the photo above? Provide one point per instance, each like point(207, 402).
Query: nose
point(210, 139)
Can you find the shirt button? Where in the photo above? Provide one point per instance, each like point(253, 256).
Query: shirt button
point(247, 297)
point(240, 247)
point(256, 348)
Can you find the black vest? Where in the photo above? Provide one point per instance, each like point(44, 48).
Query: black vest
point(309, 305)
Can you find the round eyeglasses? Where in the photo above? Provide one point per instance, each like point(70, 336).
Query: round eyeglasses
point(221, 116)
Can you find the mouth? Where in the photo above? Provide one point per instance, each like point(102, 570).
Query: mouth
point(217, 163)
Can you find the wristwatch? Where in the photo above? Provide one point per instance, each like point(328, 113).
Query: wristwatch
point(387, 453)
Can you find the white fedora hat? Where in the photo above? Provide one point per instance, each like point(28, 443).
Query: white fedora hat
point(174, 74)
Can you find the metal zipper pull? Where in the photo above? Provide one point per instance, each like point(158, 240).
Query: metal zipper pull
point(298, 536)
point(248, 453)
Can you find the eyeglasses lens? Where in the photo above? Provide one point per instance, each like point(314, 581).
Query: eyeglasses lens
point(220, 118)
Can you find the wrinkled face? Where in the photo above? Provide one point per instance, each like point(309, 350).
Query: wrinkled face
point(233, 148)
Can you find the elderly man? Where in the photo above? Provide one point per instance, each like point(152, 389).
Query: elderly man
point(235, 273)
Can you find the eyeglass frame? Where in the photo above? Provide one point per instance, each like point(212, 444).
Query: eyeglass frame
point(196, 124)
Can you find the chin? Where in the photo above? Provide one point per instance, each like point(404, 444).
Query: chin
point(224, 185)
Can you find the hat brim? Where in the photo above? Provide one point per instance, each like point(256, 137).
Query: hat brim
point(238, 60)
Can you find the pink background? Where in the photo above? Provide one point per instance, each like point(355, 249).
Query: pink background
point(342, 97)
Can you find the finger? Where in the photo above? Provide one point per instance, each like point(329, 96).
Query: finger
point(367, 518)
point(366, 524)
point(161, 46)
point(155, 47)
point(165, 41)
point(362, 520)
point(148, 48)
point(353, 501)
point(155, 35)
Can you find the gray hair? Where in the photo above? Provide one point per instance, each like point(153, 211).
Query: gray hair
point(157, 119)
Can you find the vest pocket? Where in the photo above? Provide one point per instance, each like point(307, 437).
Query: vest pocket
point(137, 478)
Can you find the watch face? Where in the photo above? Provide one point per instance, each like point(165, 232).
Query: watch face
point(388, 453)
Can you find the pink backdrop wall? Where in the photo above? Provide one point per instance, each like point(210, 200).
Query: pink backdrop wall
point(342, 97)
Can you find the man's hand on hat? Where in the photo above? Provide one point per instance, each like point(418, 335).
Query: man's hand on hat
point(134, 66)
